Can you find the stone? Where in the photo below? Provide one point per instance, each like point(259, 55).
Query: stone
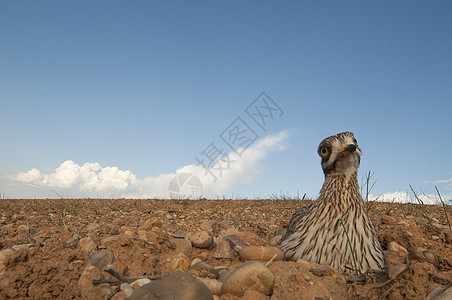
point(176, 285)
point(127, 289)
point(322, 271)
point(142, 235)
point(297, 278)
point(250, 238)
point(182, 246)
point(180, 262)
point(395, 270)
point(139, 282)
point(252, 275)
point(179, 235)
point(441, 279)
point(385, 219)
point(223, 250)
point(235, 242)
point(253, 295)
point(399, 249)
point(206, 226)
point(22, 229)
point(203, 270)
point(5, 256)
point(213, 285)
point(101, 258)
point(102, 292)
point(92, 227)
point(200, 239)
point(85, 283)
point(224, 224)
point(443, 292)
point(86, 244)
point(261, 253)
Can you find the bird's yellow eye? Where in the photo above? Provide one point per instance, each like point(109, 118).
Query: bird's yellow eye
point(324, 152)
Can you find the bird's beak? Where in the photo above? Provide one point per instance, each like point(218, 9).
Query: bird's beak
point(347, 149)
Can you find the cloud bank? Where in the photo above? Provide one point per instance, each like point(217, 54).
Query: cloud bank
point(98, 181)
point(405, 197)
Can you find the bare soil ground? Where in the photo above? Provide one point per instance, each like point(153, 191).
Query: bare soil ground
point(51, 259)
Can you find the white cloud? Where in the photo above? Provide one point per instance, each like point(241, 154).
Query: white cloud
point(404, 197)
point(448, 181)
point(103, 181)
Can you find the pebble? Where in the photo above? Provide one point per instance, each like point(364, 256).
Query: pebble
point(206, 226)
point(443, 292)
point(250, 238)
point(200, 239)
point(261, 253)
point(86, 244)
point(22, 229)
point(224, 224)
point(385, 219)
point(139, 282)
point(235, 242)
point(182, 246)
point(223, 250)
point(176, 285)
point(179, 235)
point(102, 292)
point(322, 271)
point(213, 285)
point(85, 283)
point(253, 295)
point(92, 227)
point(395, 270)
point(101, 258)
point(180, 262)
point(203, 270)
point(127, 289)
point(441, 279)
point(252, 275)
point(5, 257)
point(399, 249)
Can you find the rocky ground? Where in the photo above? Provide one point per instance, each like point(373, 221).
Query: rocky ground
point(147, 248)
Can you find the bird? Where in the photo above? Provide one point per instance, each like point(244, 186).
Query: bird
point(336, 230)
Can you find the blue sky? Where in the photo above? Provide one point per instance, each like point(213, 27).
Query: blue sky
point(112, 99)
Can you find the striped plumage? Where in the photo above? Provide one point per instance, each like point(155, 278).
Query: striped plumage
point(315, 232)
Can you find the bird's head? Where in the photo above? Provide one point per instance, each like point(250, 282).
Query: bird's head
point(340, 154)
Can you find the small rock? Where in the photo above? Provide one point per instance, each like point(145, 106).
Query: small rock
point(261, 253)
point(441, 279)
point(5, 257)
point(435, 238)
point(235, 242)
point(102, 292)
point(224, 224)
point(443, 292)
point(176, 285)
point(195, 261)
point(253, 295)
point(203, 270)
point(86, 244)
point(142, 235)
point(297, 278)
point(85, 282)
point(385, 219)
point(416, 255)
point(223, 250)
point(399, 249)
point(139, 282)
point(25, 239)
point(180, 262)
point(22, 229)
point(92, 227)
point(322, 271)
point(395, 270)
point(127, 289)
point(252, 275)
point(179, 235)
point(200, 239)
point(213, 285)
point(119, 296)
point(101, 258)
point(182, 246)
point(114, 231)
point(206, 226)
point(250, 238)
point(429, 256)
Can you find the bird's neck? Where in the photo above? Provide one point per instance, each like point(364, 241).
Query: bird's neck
point(341, 190)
